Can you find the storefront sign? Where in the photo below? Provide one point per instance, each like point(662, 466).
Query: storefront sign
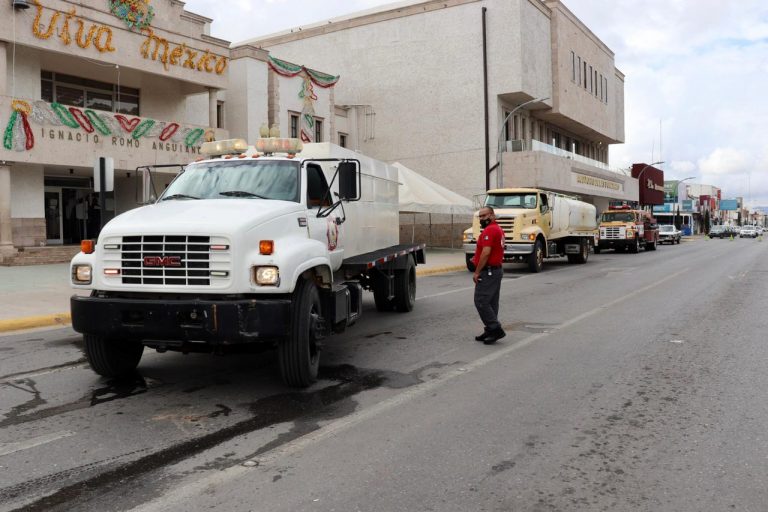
point(592, 181)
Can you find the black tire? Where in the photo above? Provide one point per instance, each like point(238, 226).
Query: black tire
point(405, 287)
point(597, 249)
point(299, 354)
point(470, 265)
point(381, 293)
point(536, 258)
point(635, 247)
point(112, 358)
point(650, 246)
point(678, 241)
point(583, 255)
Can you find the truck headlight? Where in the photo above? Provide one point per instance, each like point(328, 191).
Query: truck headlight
point(81, 274)
point(266, 276)
point(469, 238)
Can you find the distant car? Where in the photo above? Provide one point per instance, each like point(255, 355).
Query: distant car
point(719, 231)
point(748, 232)
point(669, 234)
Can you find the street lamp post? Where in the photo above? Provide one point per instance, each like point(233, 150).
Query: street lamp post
point(499, 174)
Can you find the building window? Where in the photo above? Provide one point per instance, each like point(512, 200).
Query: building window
point(294, 125)
point(219, 114)
point(606, 91)
point(591, 84)
point(342, 139)
point(595, 91)
point(601, 86)
point(82, 92)
point(578, 70)
point(573, 67)
point(318, 130)
point(585, 74)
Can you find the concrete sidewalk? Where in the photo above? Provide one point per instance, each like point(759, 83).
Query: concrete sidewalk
point(38, 295)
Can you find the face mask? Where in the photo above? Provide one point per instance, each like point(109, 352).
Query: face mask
point(484, 222)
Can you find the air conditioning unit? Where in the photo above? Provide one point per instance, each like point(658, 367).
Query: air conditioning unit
point(515, 145)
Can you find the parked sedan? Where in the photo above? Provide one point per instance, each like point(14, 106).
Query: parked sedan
point(669, 234)
point(748, 232)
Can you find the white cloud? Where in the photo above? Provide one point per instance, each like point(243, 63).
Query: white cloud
point(726, 161)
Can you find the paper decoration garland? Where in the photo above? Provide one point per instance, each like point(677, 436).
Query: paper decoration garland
point(307, 93)
point(19, 135)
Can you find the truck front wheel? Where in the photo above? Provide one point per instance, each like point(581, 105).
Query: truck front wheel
point(470, 265)
point(112, 358)
point(299, 355)
point(634, 247)
point(536, 258)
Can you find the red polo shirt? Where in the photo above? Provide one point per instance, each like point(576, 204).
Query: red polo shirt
point(492, 236)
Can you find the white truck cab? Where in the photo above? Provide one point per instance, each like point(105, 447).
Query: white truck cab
point(267, 245)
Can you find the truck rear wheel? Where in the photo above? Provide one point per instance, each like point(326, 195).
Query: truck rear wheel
point(536, 258)
point(299, 355)
point(405, 287)
point(583, 253)
point(651, 246)
point(112, 358)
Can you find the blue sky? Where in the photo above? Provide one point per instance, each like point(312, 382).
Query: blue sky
point(696, 77)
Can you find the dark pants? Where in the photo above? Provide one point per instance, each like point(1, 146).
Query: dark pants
point(487, 297)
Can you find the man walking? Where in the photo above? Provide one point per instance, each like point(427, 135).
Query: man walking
point(488, 258)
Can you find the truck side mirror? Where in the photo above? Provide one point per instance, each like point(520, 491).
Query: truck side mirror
point(349, 181)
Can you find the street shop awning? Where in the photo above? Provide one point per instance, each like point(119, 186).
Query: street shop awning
point(421, 195)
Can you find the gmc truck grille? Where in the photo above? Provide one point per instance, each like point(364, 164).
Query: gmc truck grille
point(166, 260)
point(507, 225)
point(612, 232)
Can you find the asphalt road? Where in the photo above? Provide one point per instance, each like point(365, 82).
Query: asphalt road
point(634, 382)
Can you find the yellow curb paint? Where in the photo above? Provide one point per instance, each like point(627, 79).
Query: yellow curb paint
point(440, 270)
point(30, 322)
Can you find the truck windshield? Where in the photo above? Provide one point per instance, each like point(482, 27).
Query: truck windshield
point(518, 200)
point(262, 179)
point(618, 217)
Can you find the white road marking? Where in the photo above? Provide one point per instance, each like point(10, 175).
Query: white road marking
point(8, 448)
point(675, 341)
point(184, 492)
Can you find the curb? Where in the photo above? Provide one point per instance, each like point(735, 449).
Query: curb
point(31, 322)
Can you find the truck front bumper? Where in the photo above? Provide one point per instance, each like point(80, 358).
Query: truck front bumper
point(218, 322)
point(617, 243)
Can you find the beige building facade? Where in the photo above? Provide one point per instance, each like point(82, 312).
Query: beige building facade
point(414, 83)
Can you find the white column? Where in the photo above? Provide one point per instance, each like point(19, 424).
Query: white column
point(212, 103)
point(6, 232)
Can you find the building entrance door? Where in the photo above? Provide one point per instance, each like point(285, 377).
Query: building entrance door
point(53, 216)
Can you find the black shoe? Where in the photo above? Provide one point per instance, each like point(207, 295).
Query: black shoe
point(494, 336)
point(481, 337)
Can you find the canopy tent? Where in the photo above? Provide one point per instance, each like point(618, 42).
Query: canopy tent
point(420, 195)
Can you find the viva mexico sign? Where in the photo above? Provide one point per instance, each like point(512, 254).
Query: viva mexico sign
point(70, 28)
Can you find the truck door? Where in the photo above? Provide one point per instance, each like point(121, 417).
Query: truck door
point(326, 229)
point(546, 204)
